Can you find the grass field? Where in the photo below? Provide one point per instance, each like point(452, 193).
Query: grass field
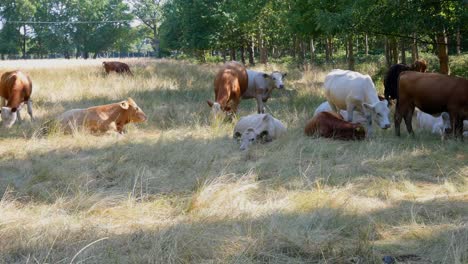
point(178, 190)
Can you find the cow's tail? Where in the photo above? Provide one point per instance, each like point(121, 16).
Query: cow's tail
point(391, 80)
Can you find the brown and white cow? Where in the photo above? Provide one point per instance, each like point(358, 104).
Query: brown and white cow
point(233, 82)
point(15, 90)
point(103, 118)
point(432, 93)
point(116, 66)
point(332, 125)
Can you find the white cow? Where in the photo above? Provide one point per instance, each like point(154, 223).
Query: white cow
point(257, 127)
point(437, 125)
point(325, 107)
point(260, 86)
point(350, 91)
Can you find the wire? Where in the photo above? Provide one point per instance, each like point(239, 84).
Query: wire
point(74, 22)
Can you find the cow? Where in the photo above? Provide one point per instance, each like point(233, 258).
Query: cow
point(332, 125)
point(116, 66)
point(257, 128)
point(325, 107)
point(15, 90)
point(234, 82)
point(432, 93)
point(437, 125)
point(103, 118)
point(391, 77)
point(350, 91)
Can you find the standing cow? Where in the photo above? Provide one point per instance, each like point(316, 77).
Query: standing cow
point(116, 66)
point(233, 82)
point(350, 91)
point(391, 77)
point(16, 89)
point(432, 93)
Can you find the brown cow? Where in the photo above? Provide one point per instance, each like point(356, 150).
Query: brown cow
point(230, 83)
point(432, 93)
point(100, 119)
point(391, 77)
point(16, 89)
point(116, 66)
point(332, 125)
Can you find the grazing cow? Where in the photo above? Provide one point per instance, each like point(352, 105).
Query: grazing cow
point(437, 125)
point(116, 66)
point(16, 89)
point(331, 125)
point(100, 119)
point(432, 93)
point(233, 82)
point(391, 77)
point(257, 127)
point(350, 91)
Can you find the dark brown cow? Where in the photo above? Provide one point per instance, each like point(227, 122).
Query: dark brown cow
point(230, 83)
point(432, 93)
point(331, 125)
point(116, 66)
point(391, 77)
point(15, 90)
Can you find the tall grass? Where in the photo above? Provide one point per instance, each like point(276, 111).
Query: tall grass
point(178, 190)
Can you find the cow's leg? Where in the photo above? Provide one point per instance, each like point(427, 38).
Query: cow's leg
point(259, 96)
point(2, 102)
point(457, 124)
point(18, 115)
point(350, 109)
point(408, 120)
point(30, 111)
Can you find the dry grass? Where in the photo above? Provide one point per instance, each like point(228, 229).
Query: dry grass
point(177, 189)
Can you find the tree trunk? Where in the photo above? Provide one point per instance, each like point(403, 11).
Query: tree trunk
point(251, 51)
point(243, 55)
point(388, 57)
point(350, 53)
point(403, 51)
point(458, 41)
point(327, 50)
point(394, 50)
point(86, 55)
point(443, 52)
point(263, 50)
point(24, 42)
point(312, 52)
point(223, 54)
point(414, 49)
point(367, 45)
point(233, 54)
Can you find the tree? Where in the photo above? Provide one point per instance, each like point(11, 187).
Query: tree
point(149, 12)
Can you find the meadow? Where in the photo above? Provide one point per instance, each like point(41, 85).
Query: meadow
point(177, 189)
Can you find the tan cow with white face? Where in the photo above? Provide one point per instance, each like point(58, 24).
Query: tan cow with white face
point(103, 118)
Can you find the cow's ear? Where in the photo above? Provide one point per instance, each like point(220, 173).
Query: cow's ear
point(284, 74)
point(264, 136)
point(237, 135)
point(14, 109)
point(124, 105)
point(367, 107)
point(266, 117)
point(266, 76)
point(209, 102)
point(358, 129)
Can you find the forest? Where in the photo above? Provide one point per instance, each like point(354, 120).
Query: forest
point(305, 32)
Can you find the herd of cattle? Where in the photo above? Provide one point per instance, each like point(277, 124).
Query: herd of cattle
point(352, 105)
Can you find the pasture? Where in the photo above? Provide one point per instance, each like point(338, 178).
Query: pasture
point(178, 190)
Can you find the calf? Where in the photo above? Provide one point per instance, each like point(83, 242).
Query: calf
point(257, 127)
point(103, 118)
point(432, 93)
point(437, 125)
point(331, 125)
point(16, 89)
point(116, 66)
point(325, 107)
point(352, 91)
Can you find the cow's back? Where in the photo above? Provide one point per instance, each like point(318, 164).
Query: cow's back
point(15, 80)
point(230, 72)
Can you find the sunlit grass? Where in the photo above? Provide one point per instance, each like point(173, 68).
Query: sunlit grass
point(178, 190)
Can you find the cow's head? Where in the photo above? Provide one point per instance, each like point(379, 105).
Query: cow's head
point(216, 108)
point(359, 132)
point(276, 79)
point(135, 114)
point(9, 116)
point(446, 126)
point(419, 65)
point(250, 137)
point(378, 112)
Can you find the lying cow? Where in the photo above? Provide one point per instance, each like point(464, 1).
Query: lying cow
point(331, 125)
point(350, 91)
point(15, 90)
point(325, 107)
point(257, 127)
point(233, 82)
point(391, 77)
point(432, 93)
point(437, 125)
point(116, 66)
point(103, 118)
